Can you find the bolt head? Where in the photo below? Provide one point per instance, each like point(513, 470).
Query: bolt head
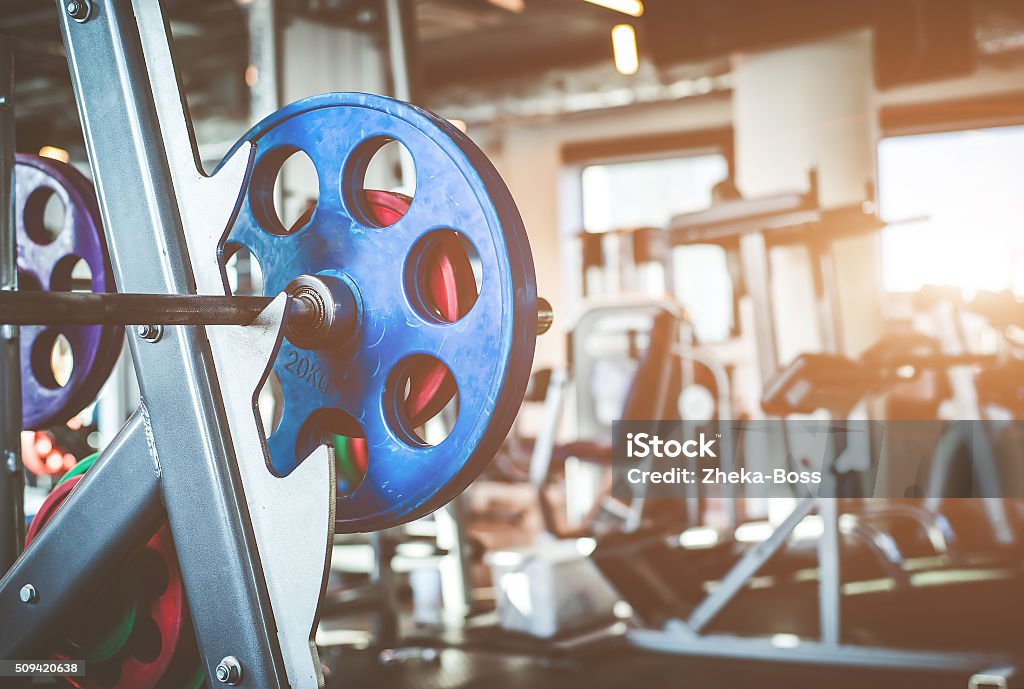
point(77, 9)
point(150, 333)
point(28, 594)
point(229, 671)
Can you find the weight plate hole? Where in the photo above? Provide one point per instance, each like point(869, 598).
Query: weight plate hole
point(443, 276)
point(285, 190)
point(71, 274)
point(52, 359)
point(377, 164)
point(341, 433)
point(153, 572)
point(245, 274)
point(146, 641)
point(45, 215)
point(422, 401)
point(28, 282)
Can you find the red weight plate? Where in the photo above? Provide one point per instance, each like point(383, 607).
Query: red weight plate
point(386, 207)
point(360, 453)
point(165, 614)
point(49, 507)
point(159, 627)
point(453, 290)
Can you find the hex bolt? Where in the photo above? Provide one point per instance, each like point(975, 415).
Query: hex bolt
point(28, 594)
point(79, 10)
point(150, 333)
point(229, 671)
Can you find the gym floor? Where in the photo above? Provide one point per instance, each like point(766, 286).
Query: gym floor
point(613, 668)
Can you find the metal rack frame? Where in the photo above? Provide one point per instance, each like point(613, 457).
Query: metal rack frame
point(254, 549)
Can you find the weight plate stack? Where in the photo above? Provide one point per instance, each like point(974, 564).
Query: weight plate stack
point(134, 629)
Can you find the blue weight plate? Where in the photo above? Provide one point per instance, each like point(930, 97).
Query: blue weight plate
point(489, 350)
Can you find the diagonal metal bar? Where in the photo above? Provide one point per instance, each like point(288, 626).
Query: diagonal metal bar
point(108, 515)
point(748, 565)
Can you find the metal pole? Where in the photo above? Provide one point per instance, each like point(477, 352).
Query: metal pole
point(826, 296)
point(383, 576)
point(401, 34)
point(305, 315)
point(264, 51)
point(757, 275)
point(452, 536)
point(12, 477)
point(70, 308)
point(399, 15)
point(829, 575)
point(264, 80)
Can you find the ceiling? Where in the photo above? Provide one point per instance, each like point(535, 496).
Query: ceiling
point(479, 44)
point(459, 41)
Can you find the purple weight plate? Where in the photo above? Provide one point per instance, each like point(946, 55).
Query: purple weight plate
point(45, 261)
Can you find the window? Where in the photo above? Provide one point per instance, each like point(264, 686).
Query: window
point(648, 192)
point(970, 187)
point(704, 287)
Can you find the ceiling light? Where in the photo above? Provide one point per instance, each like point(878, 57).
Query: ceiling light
point(510, 5)
point(55, 153)
point(633, 8)
point(627, 61)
